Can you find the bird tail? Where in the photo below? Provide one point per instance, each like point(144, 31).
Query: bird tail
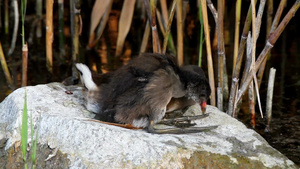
point(86, 76)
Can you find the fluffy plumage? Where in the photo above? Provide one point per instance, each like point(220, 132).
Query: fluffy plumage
point(139, 92)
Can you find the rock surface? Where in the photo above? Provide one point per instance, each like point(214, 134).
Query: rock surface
point(63, 124)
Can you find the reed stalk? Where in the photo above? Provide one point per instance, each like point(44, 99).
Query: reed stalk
point(237, 69)
point(75, 31)
point(273, 27)
point(16, 26)
point(145, 38)
point(155, 38)
point(201, 34)
point(213, 11)
point(24, 64)
point(24, 45)
point(179, 22)
point(39, 15)
point(209, 55)
point(160, 22)
point(237, 31)
point(49, 35)
point(150, 8)
point(251, 104)
point(271, 41)
point(6, 17)
point(5, 68)
point(168, 27)
point(61, 35)
point(255, 33)
point(221, 52)
point(270, 95)
point(164, 9)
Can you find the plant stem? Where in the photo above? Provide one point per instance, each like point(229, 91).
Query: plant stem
point(238, 65)
point(39, 9)
point(16, 25)
point(6, 17)
point(61, 28)
point(221, 52)
point(5, 68)
point(24, 64)
point(209, 55)
point(271, 41)
point(270, 95)
point(167, 32)
point(201, 34)
point(179, 33)
point(49, 35)
point(145, 38)
point(237, 30)
point(273, 27)
point(75, 29)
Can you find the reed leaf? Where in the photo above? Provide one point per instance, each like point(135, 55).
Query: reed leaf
point(101, 26)
point(124, 24)
point(24, 130)
point(98, 11)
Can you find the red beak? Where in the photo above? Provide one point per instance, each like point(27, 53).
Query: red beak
point(203, 106)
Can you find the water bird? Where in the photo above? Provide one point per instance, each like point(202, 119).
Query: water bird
point(138, 93)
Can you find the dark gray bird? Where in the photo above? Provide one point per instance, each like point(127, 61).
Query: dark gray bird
point(139, 92)
point(196, 86)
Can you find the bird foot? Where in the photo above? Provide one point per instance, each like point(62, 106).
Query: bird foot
point(182, 125)
point(180, 130)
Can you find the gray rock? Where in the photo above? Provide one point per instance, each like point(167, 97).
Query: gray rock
point(63, 124)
